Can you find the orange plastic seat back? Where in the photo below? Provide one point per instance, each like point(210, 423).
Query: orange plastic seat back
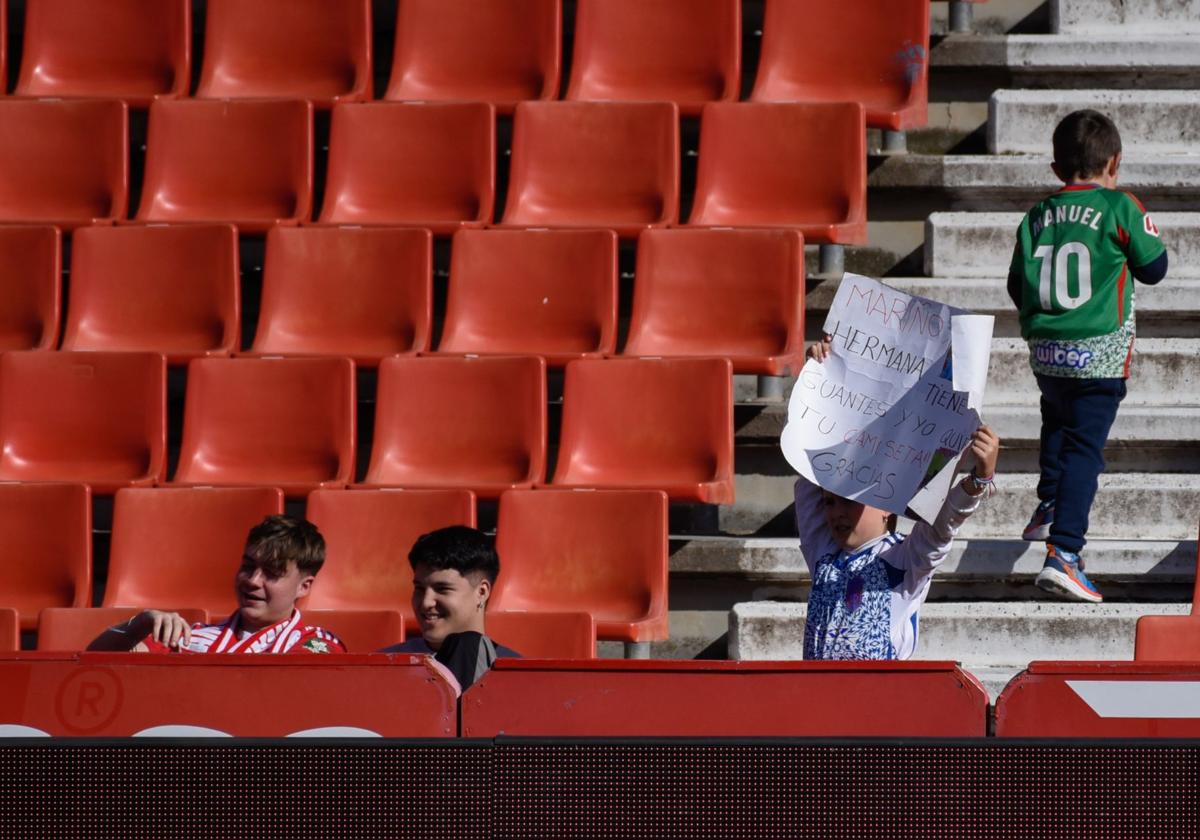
point(1171, 637)
point(368, 534)
point(170, 289)
point(72, 630)
point(478, 423)
point(361, 631)
point(428, 165)
point(366, 293)
point(848, 51)
point(603, 552)
point(497, 51)
point(732, 293)
point(544, 635)
point(94, 418)
point(290, 49)
point(63, 162)
point(551, 293)
point(45, 548)
point(249, 163)
point(10, 624)
point(684, 51)
point(784, 165)
point(652, 423)
point(125, 49)
point(176, 546)
point(30, 272)
point(594, 164)
point(277, 422)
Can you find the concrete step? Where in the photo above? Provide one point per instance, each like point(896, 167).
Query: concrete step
point(999, 639)
point(1135, 18)
point(1150, 121)
point(981, 244)
point(1015, 182)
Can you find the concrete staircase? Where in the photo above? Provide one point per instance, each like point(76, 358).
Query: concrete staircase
point(955, 213)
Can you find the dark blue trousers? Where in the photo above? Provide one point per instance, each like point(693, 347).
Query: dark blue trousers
point(1077, 415)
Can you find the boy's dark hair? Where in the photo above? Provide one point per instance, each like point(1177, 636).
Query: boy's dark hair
point(457, 547)
point(1083, 143)
point(279, 540)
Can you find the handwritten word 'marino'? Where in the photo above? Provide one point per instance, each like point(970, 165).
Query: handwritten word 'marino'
point(896, 312)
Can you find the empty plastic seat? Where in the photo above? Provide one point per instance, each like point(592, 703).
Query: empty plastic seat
point(290, 49)
point(247, 163)
point(95, 418)
point(544, 635)
point(63, 162)
point(175, 547)
point(839, 51)
point(497, 51)
point(10, 625)
point(170, 289)
point(1171, 638)
point(361, 631)
point(133, 50)
point(737, 293)
point(784, 165)
point(368, 534)
point(366, 293)
point(30, 270)
point(603, 552)
point(684, 51)
point(653, 423)
point(45, 547)
point(594, 164)
point(72, 630)
point(551, 293)
point(477, 423)
point(276, 422)
point(426, 165)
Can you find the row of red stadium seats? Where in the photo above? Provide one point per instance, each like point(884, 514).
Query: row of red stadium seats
point(601, 552)
point(497, 51)
point(451, 421)
point(367, 293)
point(574, 164)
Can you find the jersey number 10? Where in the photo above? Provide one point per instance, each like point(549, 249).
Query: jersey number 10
point(1055, 273)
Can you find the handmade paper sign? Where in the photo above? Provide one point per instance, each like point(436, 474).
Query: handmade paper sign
point(886, 417)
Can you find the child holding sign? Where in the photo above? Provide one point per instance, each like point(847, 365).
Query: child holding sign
point(868, 581)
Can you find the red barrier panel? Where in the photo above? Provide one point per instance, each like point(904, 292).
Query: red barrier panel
point(725, 699)
point(1101, 700)
point(118, 695)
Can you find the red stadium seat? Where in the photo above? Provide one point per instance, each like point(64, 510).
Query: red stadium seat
point(1171, 638)
point(133, 50)
point(366, 293)
point(63, 163)
point(268, 422)
point(737, 293)
point(368, 534)
point(72, 630)
point(838, 51)
point(95, 418)
point(10, 625)
point(665, 424)
point(478, 423)
point(428, 165)
point(45, 547)
point(30, 272)
point(248, 163)
point(170, 289)
point(784, 165)
point(182, 546)
point(544, 635)
point(361, 631)
point(551, 293)
point(497, 51)
point(684, 51)
point(602, 552)
point(287, 49)
point(594, 164)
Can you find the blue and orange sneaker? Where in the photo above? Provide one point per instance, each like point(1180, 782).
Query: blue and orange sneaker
point(1063, 575)
point(1038, 528)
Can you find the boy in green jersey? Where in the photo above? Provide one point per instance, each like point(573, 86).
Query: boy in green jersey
point(1077, 253)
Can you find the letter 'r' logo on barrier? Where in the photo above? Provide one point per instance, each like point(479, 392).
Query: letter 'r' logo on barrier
point(89, 700)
